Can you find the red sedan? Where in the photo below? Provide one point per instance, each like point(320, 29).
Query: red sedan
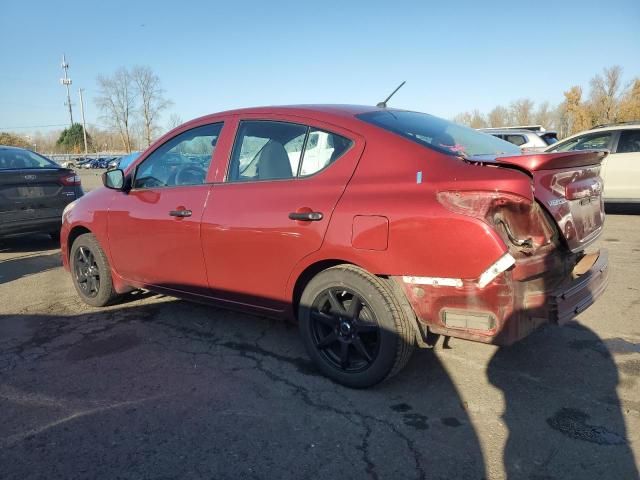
point(376, 229)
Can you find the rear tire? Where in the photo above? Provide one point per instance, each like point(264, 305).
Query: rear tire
point(90, 272)
point(354, 327)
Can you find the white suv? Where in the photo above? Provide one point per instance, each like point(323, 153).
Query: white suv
point(621, 168)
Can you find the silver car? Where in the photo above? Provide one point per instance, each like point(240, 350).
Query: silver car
point(530, 138)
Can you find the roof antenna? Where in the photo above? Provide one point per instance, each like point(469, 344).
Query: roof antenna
point(384, 104)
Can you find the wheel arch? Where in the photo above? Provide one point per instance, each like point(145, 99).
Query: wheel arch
point(316, 267)
point(305, 277)
point(74, 233)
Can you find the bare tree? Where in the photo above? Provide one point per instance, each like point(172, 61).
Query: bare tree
point(152, 101)
point(175, 120)
point(545, 115)
point(474, 119)
point(117, 102)
point(498, 117)
point(478, 120)
point(521, 111)
point(604, 98)
point(463, 118)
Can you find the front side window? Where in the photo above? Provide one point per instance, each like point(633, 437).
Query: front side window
point(268, 150)
point(629, 141)
point(439, 134)
point(183, 160)
point(592, 141)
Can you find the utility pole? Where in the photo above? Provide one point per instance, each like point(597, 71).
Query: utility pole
point(84, 126)
point(67, 81)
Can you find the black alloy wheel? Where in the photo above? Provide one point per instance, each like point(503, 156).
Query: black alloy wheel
point(91, 272)
point(354, 326)
point(345, 330)
point(87, 272)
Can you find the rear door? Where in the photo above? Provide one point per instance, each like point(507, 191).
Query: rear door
point(274, 205)
point(154, 229)
point(621, 172)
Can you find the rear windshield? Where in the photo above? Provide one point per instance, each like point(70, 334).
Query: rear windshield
point(16, 158)
point(550, 138)
point(439, 134)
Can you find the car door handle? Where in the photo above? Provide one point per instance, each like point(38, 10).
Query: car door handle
point(180, 213)
point(306, 216)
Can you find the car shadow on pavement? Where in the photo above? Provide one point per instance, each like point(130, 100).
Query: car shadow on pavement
point(184, 390)
point(562, 410)
point(28, 264)
point(28, 243)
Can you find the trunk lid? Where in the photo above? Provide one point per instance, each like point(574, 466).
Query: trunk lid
point(33, 193)
point(568, 185)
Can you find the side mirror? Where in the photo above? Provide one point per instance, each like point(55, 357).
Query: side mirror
point(114, 179)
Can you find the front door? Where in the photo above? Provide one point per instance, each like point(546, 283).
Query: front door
point(273, 207)
point(154, 229)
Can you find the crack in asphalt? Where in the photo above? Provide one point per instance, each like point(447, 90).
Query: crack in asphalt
point(258, 354)
point(84, 326)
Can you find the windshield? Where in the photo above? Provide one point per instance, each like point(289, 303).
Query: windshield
point(17, 158)
point(439, 134)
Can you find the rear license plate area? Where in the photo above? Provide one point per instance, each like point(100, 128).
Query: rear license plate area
point(30, 192)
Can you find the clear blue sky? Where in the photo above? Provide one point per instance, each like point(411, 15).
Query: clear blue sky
point(212, 56)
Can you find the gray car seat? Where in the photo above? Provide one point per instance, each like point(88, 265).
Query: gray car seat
point(274, 162)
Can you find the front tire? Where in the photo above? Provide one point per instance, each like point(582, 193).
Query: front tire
point(91, 272)
point(354, 327)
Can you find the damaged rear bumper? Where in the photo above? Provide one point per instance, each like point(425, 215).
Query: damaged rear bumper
point(589, 281)
point(507, 310)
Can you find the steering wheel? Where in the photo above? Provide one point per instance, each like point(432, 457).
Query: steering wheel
point(190, 175)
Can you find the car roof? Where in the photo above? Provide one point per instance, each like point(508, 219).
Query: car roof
point(508, 130)
point(619, 126)
point(321, 111)
point(11, 147)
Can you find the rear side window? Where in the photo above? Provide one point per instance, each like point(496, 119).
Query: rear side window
point(516, 139)
point(439, 134)
point(629, 141)
point(322, 149)
point(267, 150)
point(592, 141)
point(14, 158)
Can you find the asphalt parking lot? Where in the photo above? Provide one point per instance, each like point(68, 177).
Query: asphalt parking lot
point(161, 388)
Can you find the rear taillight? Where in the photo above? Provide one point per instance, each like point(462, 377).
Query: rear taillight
point(481, 204)
point(521, 220)
point(578, 184)
point(70, 180)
